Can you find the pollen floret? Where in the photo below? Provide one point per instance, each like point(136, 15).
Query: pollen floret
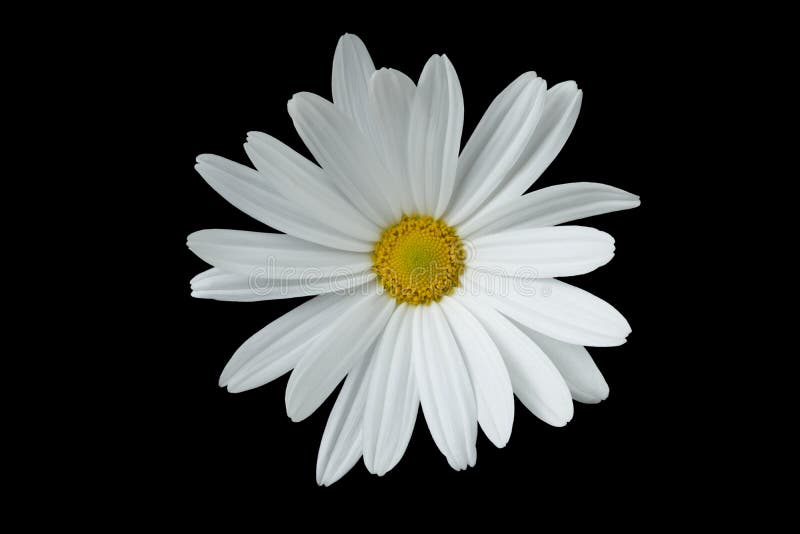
point(418, 260)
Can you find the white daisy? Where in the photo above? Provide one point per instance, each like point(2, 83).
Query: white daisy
point(435, 275)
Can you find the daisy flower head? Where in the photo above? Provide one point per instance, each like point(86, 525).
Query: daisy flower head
point(435, 278)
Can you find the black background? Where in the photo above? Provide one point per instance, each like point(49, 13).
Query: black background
point(199, 86)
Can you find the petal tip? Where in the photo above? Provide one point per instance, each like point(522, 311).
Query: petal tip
point(255, 135)
point(294, 414)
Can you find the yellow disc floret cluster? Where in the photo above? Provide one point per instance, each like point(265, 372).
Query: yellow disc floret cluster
point(419, 259)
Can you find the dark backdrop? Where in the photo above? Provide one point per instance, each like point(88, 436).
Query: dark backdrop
point(201, 86)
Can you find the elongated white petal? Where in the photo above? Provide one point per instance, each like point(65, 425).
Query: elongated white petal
point(390, 96)
point(305, 184)
point(244, 188)
point(274, 255)
point(352, 69)
point(341, 442)
point(536, 381)
point(331, 355)
point(276, 348)
point(497, 143)
point(434, 136)
point(493, 393)
point(543, 252)
point(549, 206)
point(445, 391)
point(393, 399)
point(554, 308)
point(561, 107)
point(585, 381)
point(218, 284)
point(347, 155)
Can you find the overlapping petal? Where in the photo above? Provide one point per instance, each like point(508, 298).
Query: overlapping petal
point(307, 185)
point(445, 390)
point(496, 144)
point(536, 381)
point(218, 284)
point(333, 353)
point(554, 308)
point(347, 155)
point(493, 393)
point(549, 206)
point(249, 191)
point(276, 348)
point(585, 381)
point(342, 440)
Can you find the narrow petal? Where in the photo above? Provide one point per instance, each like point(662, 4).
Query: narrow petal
point(218, 284)
point(275, 256)
point(434, 137)
point(347, 155)
point(352, 69)
point(549, 206)
point(543, 252)
point(554, 308)
point(585, 381)
point(560, 113)
point(341, 442)
point(392, 399)
point(497, 143)
point(331, 355)
point(305, 184)
point(244, 188)
point(445, 391)
point(276, 348)
point(391, 94)
point(536, 381)
point(493, 392)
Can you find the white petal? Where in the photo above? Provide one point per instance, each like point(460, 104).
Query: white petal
point(493, 393)
point(535, 379)
point(331, 355)
point(561, 107)
point(434, 136)
point(275, 256)
point(554, 308)
point(276, 348)
point(445, 391)
point(244, 188)
point(585, 381)
point(341, 442)
point(218, 284)
point(305, 184)
point(393, 399)
point(390, 96)
point(543, 252)
point(352, 69)
point(549, 206)
point(497, 143)
point(347, 155)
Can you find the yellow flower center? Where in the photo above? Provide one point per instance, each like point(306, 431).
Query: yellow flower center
point(419, 259)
